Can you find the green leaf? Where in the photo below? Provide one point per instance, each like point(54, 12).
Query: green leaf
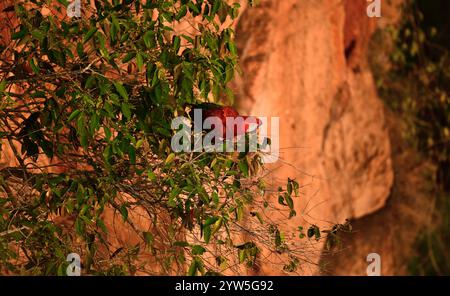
point(124, 212)
point(89, 35)
point(292, 213)
point(39, 35)
point(239, 213)
point(281, 200)
point(94, 123)
point(139, 143)
point(258, 216)
point(126, 110)
point(63, 2)
point(176, 43)
point(139, 61)
point(216, 7)
point(232, 48)
point(289, 187)
point(121, 90)
point(102, 225)
point(242, 256)
point(181, 244)
point(115, 27)
point(289, 201)
point(296, 187)
point(132, 154)
point(90, 82)
point(210, 221)
point(198, 250)
point(217, 226)
point(82, 131)
point(170, 158)
point(47, 147)
point(74, 115)
point(278, 239)
point(313, 230)
point(149, 39)
point(129, 56)
point(207, 233)
point(20, 34)
point(151, 176)
point(193, 7)
point(80, 50)
point(79, 226)
point(148, 237)
point(107, 152)
point(317, 233)
point(188, 38)
point(243, 166)
point(34, 66)
point(215, 198)
point(3, 85)
point(193, 268)
point(181, 13)
point(84, 138)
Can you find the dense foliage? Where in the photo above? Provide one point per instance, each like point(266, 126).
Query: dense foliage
point(86, 106)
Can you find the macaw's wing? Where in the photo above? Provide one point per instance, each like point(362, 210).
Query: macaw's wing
point(211, 109)
point(204, 107)
point(222, 114)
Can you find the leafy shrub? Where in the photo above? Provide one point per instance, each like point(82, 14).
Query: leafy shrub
point(86, 110)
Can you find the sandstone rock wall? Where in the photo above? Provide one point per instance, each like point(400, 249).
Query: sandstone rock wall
point(306, 63)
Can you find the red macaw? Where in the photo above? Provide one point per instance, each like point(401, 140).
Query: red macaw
point(223, 112)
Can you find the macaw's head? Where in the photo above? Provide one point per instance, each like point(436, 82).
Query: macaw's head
point(246, 124)
point(251, 123)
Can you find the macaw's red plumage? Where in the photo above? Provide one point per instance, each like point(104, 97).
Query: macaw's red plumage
point(236, 124)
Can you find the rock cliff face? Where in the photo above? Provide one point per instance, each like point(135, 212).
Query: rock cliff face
point(306, 63)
